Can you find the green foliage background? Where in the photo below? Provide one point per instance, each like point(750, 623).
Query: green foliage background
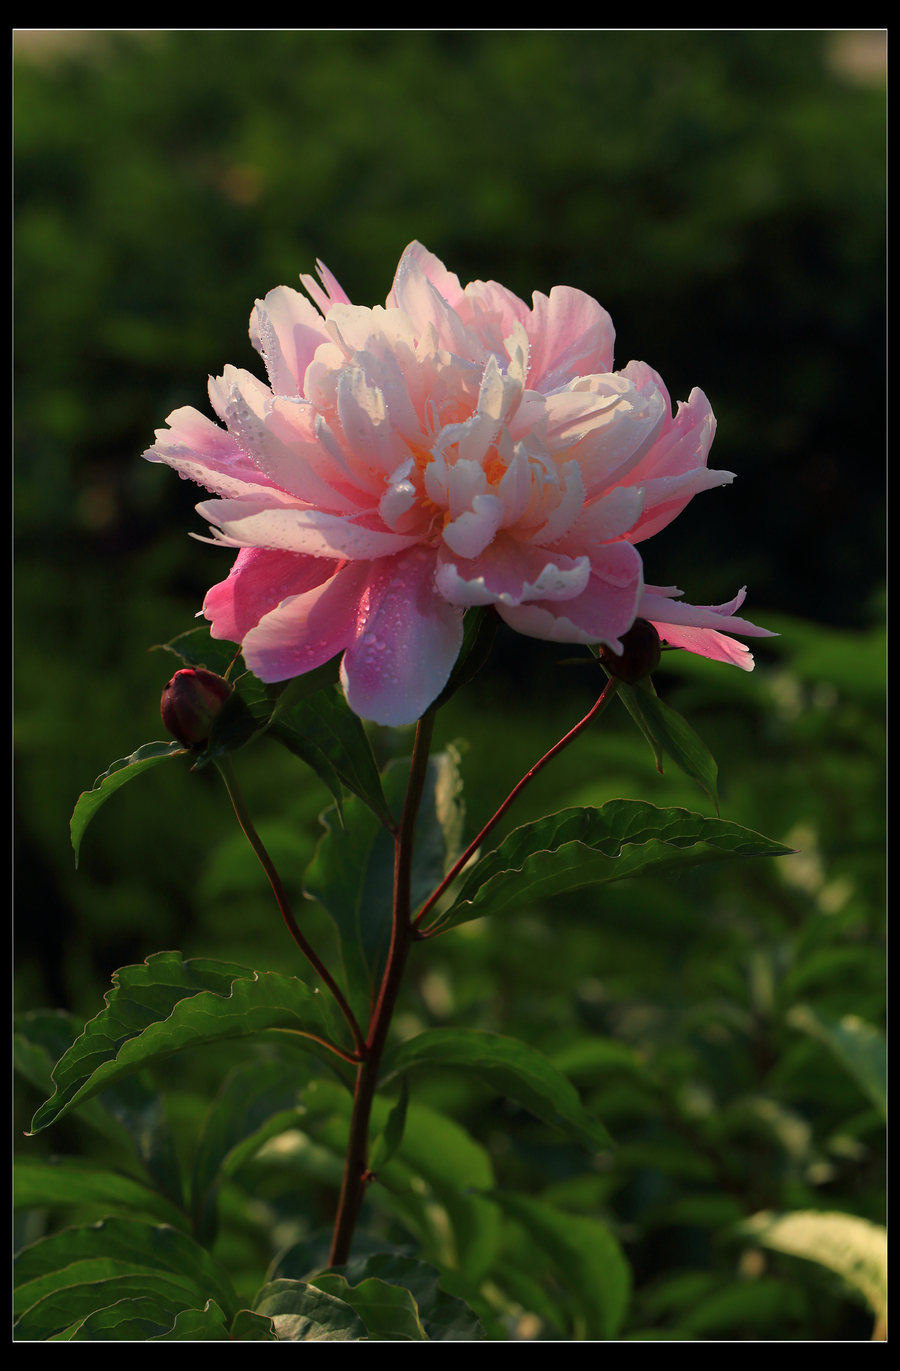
point(722, 195)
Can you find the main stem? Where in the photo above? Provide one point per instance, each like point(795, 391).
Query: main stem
point(356, 1172)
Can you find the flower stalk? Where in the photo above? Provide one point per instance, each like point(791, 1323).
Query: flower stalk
point(227, 772)
point(356, 1173)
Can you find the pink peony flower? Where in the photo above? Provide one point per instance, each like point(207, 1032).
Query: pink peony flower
point(455, 448)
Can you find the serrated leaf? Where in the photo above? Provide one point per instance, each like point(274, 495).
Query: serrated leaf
point(60, 1309)
point(853, 1247)
point(166, 1005)
point(197, 1325)
point(57, 1260)
point(301, 1313)
point(590, 1262)
point(444, 1318)
point(250, 1327)
point(510, 1067)
point(42, 1037)
point(388, 1311)
point(578, 847)
point(117, 774)
point(858, 1046)
point(55, 1181)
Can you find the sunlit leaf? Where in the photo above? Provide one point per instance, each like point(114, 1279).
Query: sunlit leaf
point(117, 774)
point(166, 1005)
point(853, 1247)
point(580, 847)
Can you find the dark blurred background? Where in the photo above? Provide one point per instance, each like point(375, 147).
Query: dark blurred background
point(722, 194)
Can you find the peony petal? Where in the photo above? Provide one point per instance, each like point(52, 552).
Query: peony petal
point(661, 609)
point(570, 335)
point(601, 614)
point(201, 451)
point(256, 584)
point(286, 330)
point(509, 573)
point(306, 630)
point(706, 642)
point(407, 641)
point(246, 523)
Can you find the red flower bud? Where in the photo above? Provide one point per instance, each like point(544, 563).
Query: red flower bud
point(190, 702)
point(640, 653)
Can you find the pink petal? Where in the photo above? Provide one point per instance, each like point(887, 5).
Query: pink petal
point(510, 572)
point(418, 258)
point(201, 451)
point(247, 523)
point(705, 642)
point(256, 584)
point(286, 330)
point(308, 629)
point(601, 614)
point(407, 641)
point(570, 335)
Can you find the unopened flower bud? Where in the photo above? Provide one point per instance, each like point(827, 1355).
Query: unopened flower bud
point(640, 653)
point(190, 702)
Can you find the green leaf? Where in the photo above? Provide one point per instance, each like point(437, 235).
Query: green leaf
point(327, 721)
point(197, 648)
point(314, 757)
point(352, 873)
point(56, 1181)
point(626, 695)
point(590, 1263)
point(42, 1037)
point(388, 1311)
point(444, 1318)
point(301, 1313)
point(853, 1247)
point(129, 1320)
point(166, 1005)
point(455, 1167)
point(667, 730)
point(60, 1309)
point(232, 728)
point(858, 1046)
point(257, 1101)
point(759, 1304)
point(510, 1067)
point(580, 847)
point(117, 775)
point(197, 1325)
point(114, 1246)
point(388, 1141)
point(250, 1327)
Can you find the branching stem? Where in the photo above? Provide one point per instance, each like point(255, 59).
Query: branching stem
point(609, 691)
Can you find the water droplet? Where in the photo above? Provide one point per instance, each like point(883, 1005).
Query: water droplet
point(380, 646)
point(368, 638)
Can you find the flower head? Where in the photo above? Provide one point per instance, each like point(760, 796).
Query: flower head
point(455, 448)
point(190, 702)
